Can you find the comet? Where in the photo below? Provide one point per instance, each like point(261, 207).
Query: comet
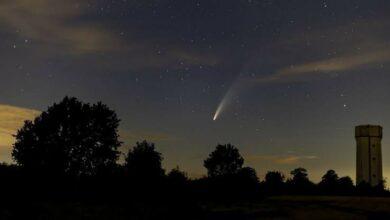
point(226, 101)
point(215, 115)
point(238, 86)
point(220, 108)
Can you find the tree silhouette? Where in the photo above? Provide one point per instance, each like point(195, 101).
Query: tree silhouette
point(274, 182)
point(143, 162)
point(274, 178)
point(330, 177)
point(345, 181)
point(247, 179)
point(176, 176)
point(299, 175)
point(70, 138)
point(224, 160)
point(178, 184)
point(300, 182)
point(248, 174)
point(345, 185)
point(329, 182)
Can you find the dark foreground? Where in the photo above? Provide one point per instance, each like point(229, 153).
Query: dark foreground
point(282, 207)
point(307, 207)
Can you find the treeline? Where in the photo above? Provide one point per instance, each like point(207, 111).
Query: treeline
point(72, 150)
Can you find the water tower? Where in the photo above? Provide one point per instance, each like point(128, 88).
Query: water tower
point(368, 154)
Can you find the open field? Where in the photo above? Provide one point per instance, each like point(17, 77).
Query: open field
point(306, 207)
point(282, 207)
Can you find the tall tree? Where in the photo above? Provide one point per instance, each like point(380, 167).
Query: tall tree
point(299, 175)
point(300, 182)
point(70, 138)
point(329, 182)
point(274, 182)
point(345, 185)
point(248, 176)
point(143, 162)
point(176, 176)
point(274, 178)
point(330, 177)
point(224, 160)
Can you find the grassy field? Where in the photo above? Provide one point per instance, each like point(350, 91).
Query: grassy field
point(282, 207)
point(305, 207)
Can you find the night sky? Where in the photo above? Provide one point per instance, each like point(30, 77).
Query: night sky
point(285, 81)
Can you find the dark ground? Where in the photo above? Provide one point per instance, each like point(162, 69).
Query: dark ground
point(306, 207)
point(282, 207)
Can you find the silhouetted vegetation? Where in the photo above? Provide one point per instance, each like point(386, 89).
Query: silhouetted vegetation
point(70, 138)
point(227, 178)
point(274, 183)
point(71, 151)
point(176, 176)
point(331, 184)
point(225, 160)
point(300, 183)
point(143, 163)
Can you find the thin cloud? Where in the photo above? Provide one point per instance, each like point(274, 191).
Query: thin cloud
point(304, 71)
point(51, 24)
point(336, 64)
point(11, 119)
point(56, 28)
point(340, 49)
point(281, 159)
